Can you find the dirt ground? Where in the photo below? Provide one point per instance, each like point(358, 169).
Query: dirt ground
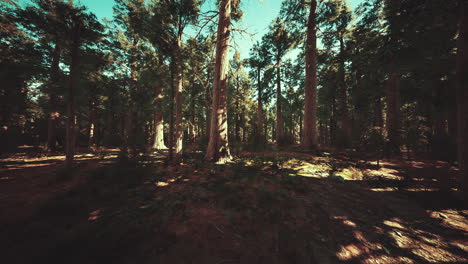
point(268, 207)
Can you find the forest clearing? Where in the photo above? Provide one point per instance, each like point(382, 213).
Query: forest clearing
point(229, 131)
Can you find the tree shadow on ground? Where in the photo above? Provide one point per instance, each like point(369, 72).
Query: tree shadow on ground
point(250, 211)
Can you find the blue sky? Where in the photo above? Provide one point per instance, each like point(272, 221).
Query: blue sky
point(258, 15)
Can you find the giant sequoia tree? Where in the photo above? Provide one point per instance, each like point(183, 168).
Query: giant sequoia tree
point(218, 146)
point(309, 136)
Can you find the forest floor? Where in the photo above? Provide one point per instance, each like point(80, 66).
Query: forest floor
point(281, 206)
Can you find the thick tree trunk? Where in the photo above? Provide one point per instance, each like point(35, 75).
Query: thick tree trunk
point(218, 147)
point(158, 142)
point(393, 107)
point(345, 121)
point(462, 95)
point(54, 104)
point(279, 99)
point(178, 98)
point(259, 107)
point(171, 114)
point(71, 115)
point(309, 139)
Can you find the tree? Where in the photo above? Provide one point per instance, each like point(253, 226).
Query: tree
point(21, 61)
point(46, 20)
point(309, 138)
point(259, 59)
point(280, 41)
point(82, 28)
point(170, 18)
point(336, 18)
point(218, 146)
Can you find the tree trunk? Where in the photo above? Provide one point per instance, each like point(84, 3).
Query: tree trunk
point(259, 107)
point(393, 107)
point(54, 107)
point(171, 114)
point(279, 114)
point(309, 139)
point(158, 143)
point(378, 119)
point(178, 98)
point(218, 147)
point(238, 114)
point(333, 123)
point(130, 122)
point(207, 106)
point(192, 118)
point(71, 115)
point(462, 95)
point(92, 124)
point(207, 111)
point(243, 122)
point(343, 99)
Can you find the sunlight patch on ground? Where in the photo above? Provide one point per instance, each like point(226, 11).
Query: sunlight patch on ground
point(348, 252)
point(452, 219)
point(394, 223)
point(162, 184)
point(345, 221)
point(386, 173)
point(383, 259)
point(423, 244)
point(352, 173)
point(307, 169)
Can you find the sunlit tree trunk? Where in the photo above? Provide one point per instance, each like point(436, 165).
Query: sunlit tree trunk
point(462, 95)
point(54, 113)
point(92, 124)
point(158, 142)
point(178, 98)
point(218, 147)
point(279, 99)
point(309, 139)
